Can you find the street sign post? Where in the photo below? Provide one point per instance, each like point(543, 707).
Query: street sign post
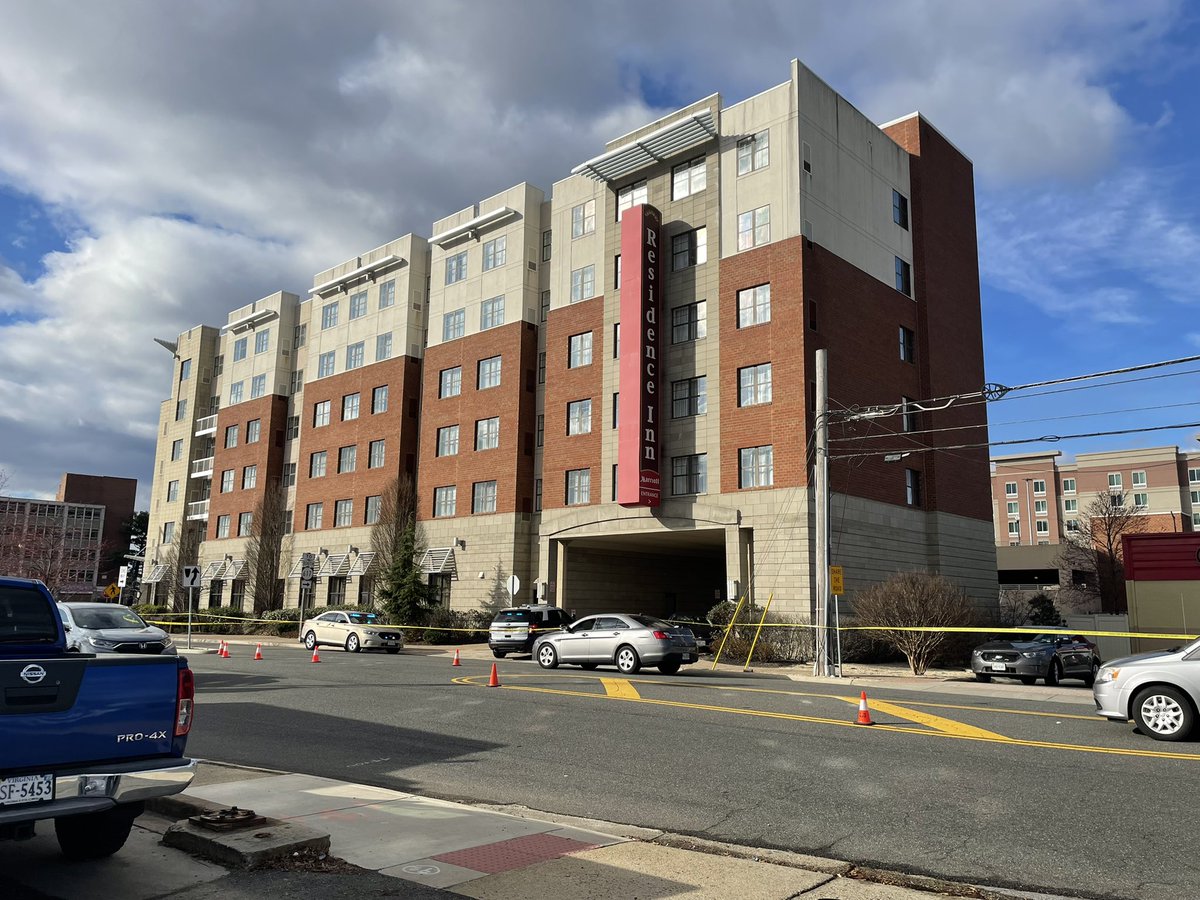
point(189, 577)
point(122, 576)
point(514, 586)
point(837, 585)
point(306, 580)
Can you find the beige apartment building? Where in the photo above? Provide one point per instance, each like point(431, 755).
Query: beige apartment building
point(663, 467)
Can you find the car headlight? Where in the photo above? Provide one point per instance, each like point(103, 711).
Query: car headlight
point(1107, 674)
point(977, 653)
point(372, 633)
point(1034, 654)
point(167, 642)
point(100, 642)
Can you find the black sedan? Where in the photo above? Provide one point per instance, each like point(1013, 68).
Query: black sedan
point(1051, 656)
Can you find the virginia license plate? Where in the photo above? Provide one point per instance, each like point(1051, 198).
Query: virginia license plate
point(998, 667)
point(26, 789)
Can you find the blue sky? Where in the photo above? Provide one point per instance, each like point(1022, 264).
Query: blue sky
point(160, 166)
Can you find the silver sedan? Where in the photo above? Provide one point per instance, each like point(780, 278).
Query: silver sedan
point(1160, 691)
point(626, 640)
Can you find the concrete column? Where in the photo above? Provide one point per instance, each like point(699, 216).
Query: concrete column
point(559, 579)
point(736, 568)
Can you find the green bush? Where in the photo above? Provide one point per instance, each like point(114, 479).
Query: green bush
point(776, 642)
point(441, 621)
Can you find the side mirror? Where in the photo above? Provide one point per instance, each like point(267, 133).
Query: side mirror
point(66, 627)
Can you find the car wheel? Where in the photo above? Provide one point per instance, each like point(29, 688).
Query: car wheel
point(393, 650)
point(587, 666)
point(96, 835)
point(310, 641)
point(1090, 678)
point(668, 668)
point(1028, 679)
point(499, 654)
point(1054, 674)
point(352, 644)
point(983, 676)
point(547, 657)
point(1164, 713)
point(627, 660)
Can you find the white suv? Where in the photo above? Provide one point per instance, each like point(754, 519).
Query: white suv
point(1160, 691)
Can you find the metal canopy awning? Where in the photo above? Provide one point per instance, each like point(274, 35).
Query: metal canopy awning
point(156, 575)
point(486, 220)
point(439, 561)
point(369, 270)
point(213, 571)
point(677, 137)
point(234, 570)
point(336, 565)
point(362, 564)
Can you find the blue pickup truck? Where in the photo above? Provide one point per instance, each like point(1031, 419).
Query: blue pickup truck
point(84, 740)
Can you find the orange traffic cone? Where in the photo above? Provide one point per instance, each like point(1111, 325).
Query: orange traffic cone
point(227, 650)
point(494, 681)
point(258, 651)
point(456, 662)
point(316, 656)
point(221, 652)
point(864, 714)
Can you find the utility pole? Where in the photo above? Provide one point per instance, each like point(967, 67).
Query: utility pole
point(820, 605)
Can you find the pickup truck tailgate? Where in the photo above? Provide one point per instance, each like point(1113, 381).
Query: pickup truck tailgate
point(78, 710)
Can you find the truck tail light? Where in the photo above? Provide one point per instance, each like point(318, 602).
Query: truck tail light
point(185, 698)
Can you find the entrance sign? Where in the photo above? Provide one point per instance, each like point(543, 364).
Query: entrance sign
point(639, 482)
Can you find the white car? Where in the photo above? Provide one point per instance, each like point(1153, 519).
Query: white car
point(353, 630)
point(1159, 691)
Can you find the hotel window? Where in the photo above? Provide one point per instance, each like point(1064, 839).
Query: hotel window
point(541, 429)
point(253, 431)
point(181, 410)
point(1196, 520)
point(185, 370)
point(1193, 476)
point(239, 349)
point(299, 338)
point(483, 497)
point(688, 178)
point(579, 487)
point(908, 345)
point(1068, 485)
point(579, 350)
point(900, 209)
point(583, 283)
point(379, 399)
point(289, 475)
point(631, 196)
point(249, 477)
point(689, 249)
point(1139, 479)
point(1014, 528)
point(583, 219)
point(325, 364)
point(1195, 495)
point(487, 433)
point(231, 436)
point(317, 464)
point(912, 487)
point(579, 417)
point(1040, 507)
point(358, 305)
point(444, 501)
point(617, 272)
point(447, 441)
point(689, 397)
point(616, 409)
point(176, 450)
point(487, 373)
point(491, 313)
point(454, 324)
point(689, 474)
point(754, 385)
point(374, 503)
point(383, 346)
point(218, 364)
point(1013, 509)
point(456, 267)
point(329, 315)
point(313, 515)
point(1043, 527)
point(355, 356)
point(1072, 525)
point(542, 367)
point(754, 228)
point(375, 454)
point(227, 481)
point(616, 340)
point(343, 513)
point(222, 526)
point(347, 459)
point(236, 392)
point(1010, 489)
point(1071, 506)
point(1141, 500)
point(537, 495)
point(450, 382)
point(245, 523)
point(754, 153)
point(262, 341)
point(754, 305)
point(1114, 481)
point(545, 305)
point(172, 491)
point(321, 412)
point(1039, 487)
point(258, 386)
point(297, 381)
point(614, 483)
point(546, 235)
point(494, 253)
point(690, 321)
point(350, 405)
point(903, 277)
point(387, 294)
point(756, 467)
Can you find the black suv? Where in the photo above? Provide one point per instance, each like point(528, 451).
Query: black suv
point(514, 630)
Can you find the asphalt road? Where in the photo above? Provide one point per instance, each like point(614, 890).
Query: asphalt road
point(1041, 797)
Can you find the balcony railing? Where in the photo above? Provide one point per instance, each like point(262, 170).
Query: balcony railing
point(202, 468)
point(207, 425)
point(197, 510)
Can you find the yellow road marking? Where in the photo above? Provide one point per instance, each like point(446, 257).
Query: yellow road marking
point(476, 681)
point(938, 723)
point(1013, 712)
point(620, 688)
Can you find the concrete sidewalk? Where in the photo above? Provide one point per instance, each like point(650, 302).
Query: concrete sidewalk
point(490, 854)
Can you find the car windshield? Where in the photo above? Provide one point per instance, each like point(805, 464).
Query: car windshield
point(358, 618)
point(1050, 638)
point(650, 622)
point(517, 616)
point(106, 617)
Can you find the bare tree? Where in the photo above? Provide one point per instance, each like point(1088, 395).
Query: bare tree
point(269, 538)
point(1094, 554)
point(911, 599)
point(1014, 608)
point(185, 550)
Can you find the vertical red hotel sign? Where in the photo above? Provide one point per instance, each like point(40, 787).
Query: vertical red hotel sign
point(638, 480)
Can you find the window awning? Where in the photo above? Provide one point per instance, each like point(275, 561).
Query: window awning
point(362, 271)
point(677, 137)
point(488, 219)
point(362, 564)
point(439, 561)
point(336, 565)
point(156, 575)
point(295, 573)
point(250, 321)
point(213, 570)
point(234, 570)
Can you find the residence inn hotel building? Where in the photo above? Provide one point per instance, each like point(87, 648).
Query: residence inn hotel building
point(609, 389)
